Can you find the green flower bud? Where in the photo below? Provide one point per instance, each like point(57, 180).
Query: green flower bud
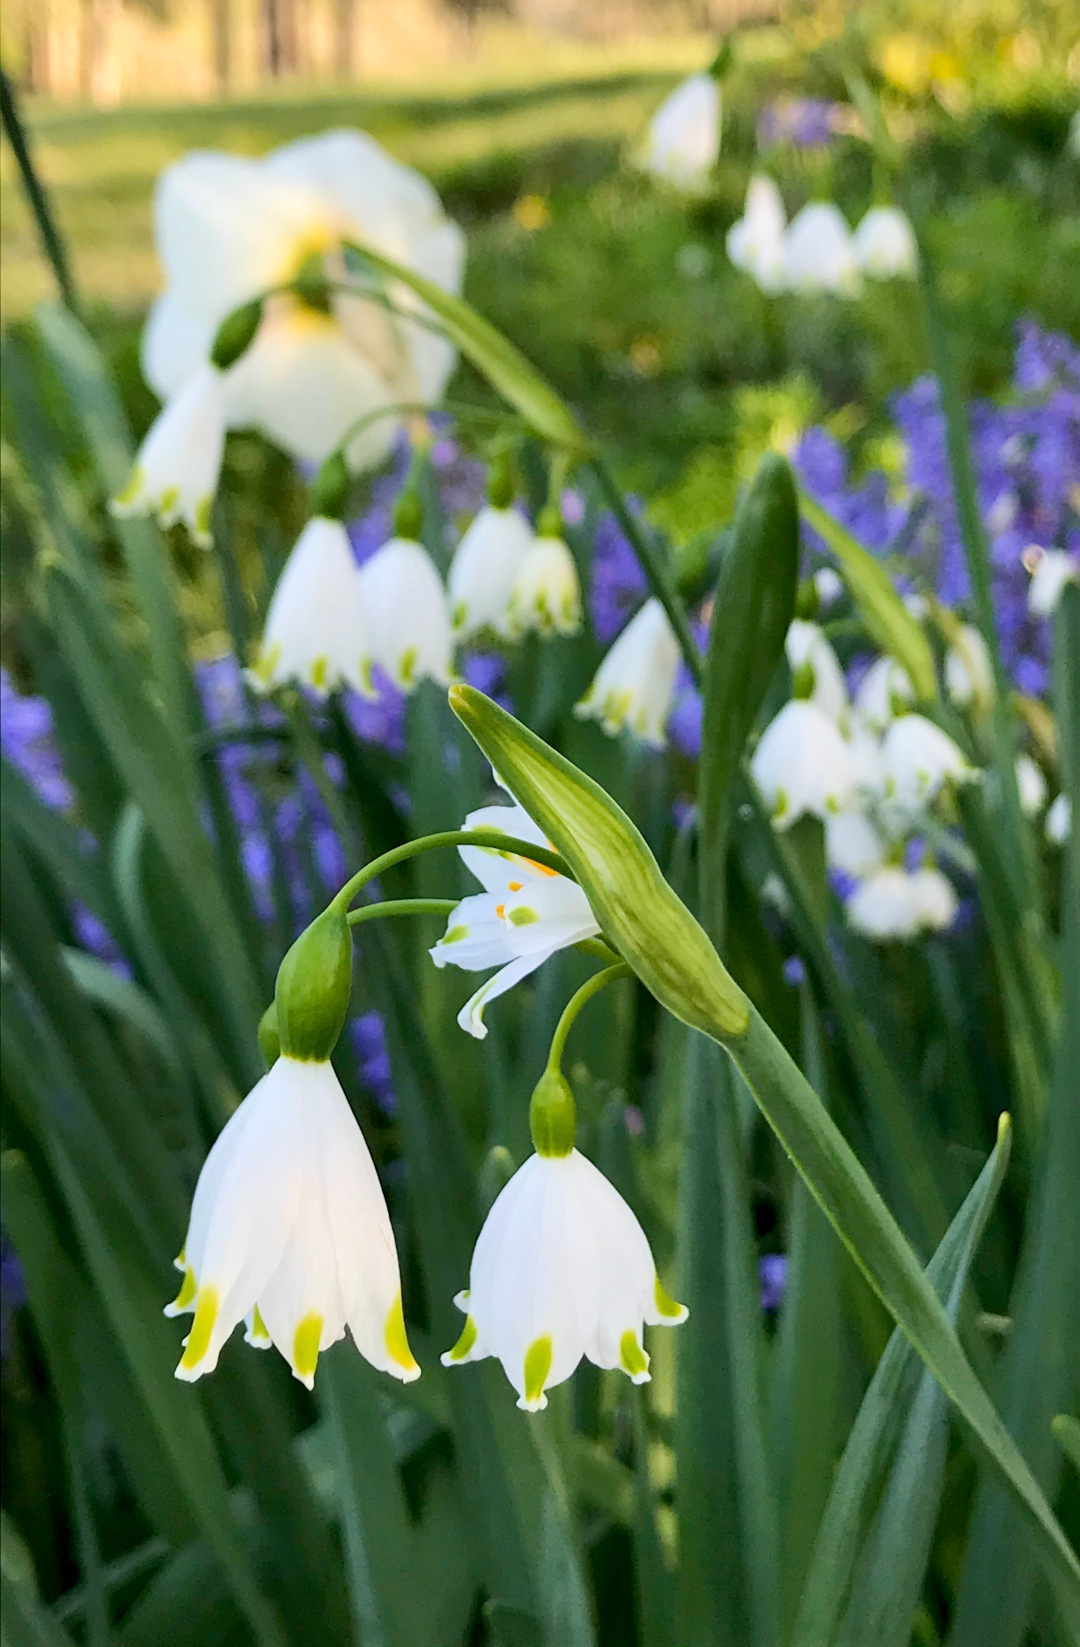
point(269, 1039)
point(634, 905)
point(236, 334)
point(500, 489)
point(722, 62)
point(328, 494)
point(553, 1114)
point(314, 982)
point(807, 600)
point(408, 514)
point(550, 523)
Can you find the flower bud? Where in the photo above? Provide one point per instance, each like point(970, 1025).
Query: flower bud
point(408, 514)
point(269, 1039)
point(553, 1114)
point(637, 910)
point(500, 489)
point(328, 496)
point(314, 982)
point(236, 334)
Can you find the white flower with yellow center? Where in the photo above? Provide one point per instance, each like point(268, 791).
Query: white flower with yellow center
point(289, 1232)
point(802, 764)
point(1051, 570)
point(486, 563)
point(884, 245)
point(884, 692)
point(175, 474)
point(818, 251)
point(229, 229)
point(756, 242)
point(316, 632)
point(525, 913)
point(683, 140)
point(810, 654)
point(407, 614)
point(969, 677)
point(546, 594)
point(635, 684)
point(562, 1269)
point(918, 760)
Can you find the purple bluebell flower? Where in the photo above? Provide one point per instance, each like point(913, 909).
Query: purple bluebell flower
point(12, 1290)
point(367, 1035)
point(618, 584)
point(772, 1279)
point(803, 122)
point(26, 738)
point(794, 971)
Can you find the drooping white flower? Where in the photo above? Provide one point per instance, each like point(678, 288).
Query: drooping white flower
point(808, 649)
point(896, 903)
point(229, 228)
point(546, 594)
point(829, 585)
point(818, 252)
point(683, 139)
point(635, 684)
point(884, 245)
point(1031, 784)
point(484, 569)
point(969, 678)
point(562, 1269)
point(289, 1230)
point(852, 844)
point(525, 913)
point(316, 630)
point(1058, 824)
point(803, 764)
point(1053, 570)
point(918, 759)
point(884, 692)
point(756, 242)
point(408, 620)
point(175, 473)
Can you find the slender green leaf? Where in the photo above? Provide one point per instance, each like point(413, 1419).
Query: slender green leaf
point(24, 1621)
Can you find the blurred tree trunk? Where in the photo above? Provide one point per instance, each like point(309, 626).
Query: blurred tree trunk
point(344, 38)
point(99, 71)
point(279, 37)
point(221, 37)
point(37, 57)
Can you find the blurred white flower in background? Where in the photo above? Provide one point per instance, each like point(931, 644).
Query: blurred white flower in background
point(852, 844)
point(818, 252)
point(884, 245)
point(635, 684)
point(755, 243)
point(811, 657)
point(829, 586)
point(802, 764)
point(546, 593)
point(884, 692)
point(683, 140)
point(919, 759)
point(1059, 820)
point(316, 632)
point(407, 615)
point(896, 903)
point(289, 1230)
point(1031, 784)
point(969, 678)
point(175, 474)
point(1052, 570)
point(484, 570)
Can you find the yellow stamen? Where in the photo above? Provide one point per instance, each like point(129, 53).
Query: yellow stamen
point(515, 886)
point(397, 1342)
point(198, 1343)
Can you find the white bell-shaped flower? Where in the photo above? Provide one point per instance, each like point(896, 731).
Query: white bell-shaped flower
point(969, 677)
point(818, 253)
point(175, 474)
point(918, 759)
point(803, 764)
point(1031, 784)
point(1053, 569)
point(1058, 824)
point(546, 594)
point(635, 684)
point(896, 903)
point(756, 242)
point(683, 139)
point(289, 1231)
point(884, 692)
point(808, 650)
point(562, 1269)
point(484, 570)
point(829, 585)
point(316, 631)
point(884, 245)
point(852, 844)
point(525, 913)
point(408, 619)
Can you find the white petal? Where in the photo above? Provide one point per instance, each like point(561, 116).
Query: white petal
point(818, 251)
point(635, 684)
point(684, 134)
point(175, 343)
point(546, 595)
point(471, 1016)
point(477, 936)
point(175, 474)
point(485, 566)
point(802, 764)
point(316, 629)
point(407, 613)
point(884, 244)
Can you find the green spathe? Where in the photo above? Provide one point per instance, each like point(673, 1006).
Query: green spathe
point(314, 982)
point(552, 1114)
point(608, 855)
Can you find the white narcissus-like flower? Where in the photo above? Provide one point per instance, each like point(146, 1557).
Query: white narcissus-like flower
point(803, 764)
point(635, 684)
point(884, 692)
point(1059, 820)
point(546, 594)
point(525, 913)
point(756, 242)
point(562, 1269)
point(229, 229)
point(1031, 784)
point(484, 569)
point(316, 631)
point(852, 844)
point(818, 253)
point(408, 619)
point(969, 677)
point(175, 473)
point(896, 903)
point(807, 648)
point(884, 245)
point(919, 759)
point(683, 139)
point(1054, 568)
point(289, 1231)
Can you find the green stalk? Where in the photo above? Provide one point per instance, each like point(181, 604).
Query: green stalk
point(492, 838)
point(592, 986)
point(401, 906)
point(51, 239)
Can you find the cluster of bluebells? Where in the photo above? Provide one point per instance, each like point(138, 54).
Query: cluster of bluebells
point(799, 122)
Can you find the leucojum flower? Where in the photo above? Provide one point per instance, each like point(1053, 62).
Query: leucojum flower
point(487, 562)
point(289, 1229)
point(546, 593)
point(269, 235)
point(683, 139)
point(316, 632)
point(635, 684)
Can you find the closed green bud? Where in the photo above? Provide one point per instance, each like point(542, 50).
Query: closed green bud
point(637, 910)
point(328, 495)
point(722, 62)
point(500, 488)
point(236, 334)
point(553, 1114)
point(314, 982)
point(269, 1039)
point(550, 523)
point(408, 514)
point(807, 600)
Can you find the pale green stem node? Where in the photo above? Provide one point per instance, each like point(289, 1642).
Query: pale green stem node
point(553, 1114)
point(314, 983)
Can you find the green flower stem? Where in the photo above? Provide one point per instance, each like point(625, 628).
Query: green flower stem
point(493, 838)
point(402, 906)
point(51, 239)
point(592, 986)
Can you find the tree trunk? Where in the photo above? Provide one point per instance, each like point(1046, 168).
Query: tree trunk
point(221, 40)
point(344, 38)
point(99, 73)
